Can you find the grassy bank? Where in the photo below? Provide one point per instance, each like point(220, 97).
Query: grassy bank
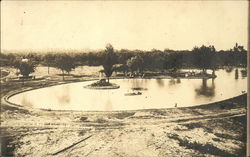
point(217, 129)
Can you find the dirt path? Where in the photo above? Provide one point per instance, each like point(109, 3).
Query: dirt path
point(148, 133)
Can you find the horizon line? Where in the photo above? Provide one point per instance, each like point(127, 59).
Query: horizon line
point(87, 50)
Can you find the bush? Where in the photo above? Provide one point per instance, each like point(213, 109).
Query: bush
point(25, 67)
point(101, 83)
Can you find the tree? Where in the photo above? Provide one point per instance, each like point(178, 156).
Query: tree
point(64, 62)
point(49, 60)
point(238, 48)
point(173, 61)
point(204, 57)
point(121, 67)
point(135, 63)
point(7, 59)
point(25, 67)
point(109, 59)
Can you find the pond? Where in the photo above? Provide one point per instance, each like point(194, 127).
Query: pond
point(155, 93)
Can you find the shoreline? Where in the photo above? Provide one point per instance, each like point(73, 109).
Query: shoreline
point(214, 123)
point(6, 96)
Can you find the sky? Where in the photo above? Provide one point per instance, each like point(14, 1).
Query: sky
point(178, 25)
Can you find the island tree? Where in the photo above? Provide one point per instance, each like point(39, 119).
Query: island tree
point(109, 59)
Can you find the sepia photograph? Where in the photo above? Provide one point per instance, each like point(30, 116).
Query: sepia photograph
point(124, 78)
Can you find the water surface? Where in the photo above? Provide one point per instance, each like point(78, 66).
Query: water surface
point(156, 93)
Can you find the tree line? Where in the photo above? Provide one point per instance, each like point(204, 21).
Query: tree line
point(203, 57)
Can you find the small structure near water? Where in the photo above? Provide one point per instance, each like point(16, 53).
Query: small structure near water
point(133, 94)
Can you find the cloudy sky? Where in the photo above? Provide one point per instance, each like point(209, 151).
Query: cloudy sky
point(43, 25)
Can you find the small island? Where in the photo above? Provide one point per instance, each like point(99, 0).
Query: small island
point(109, 59)
point(102, 84)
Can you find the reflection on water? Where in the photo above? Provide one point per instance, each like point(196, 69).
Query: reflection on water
point(155, 93)
point(178, 80)
point(229, 69)
point(244, 73)
point(64, 97)
point(174, 81)
point(236, 74)
point(160, 83)
point(205, 90)
point(137, 83)
point(171, 82)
